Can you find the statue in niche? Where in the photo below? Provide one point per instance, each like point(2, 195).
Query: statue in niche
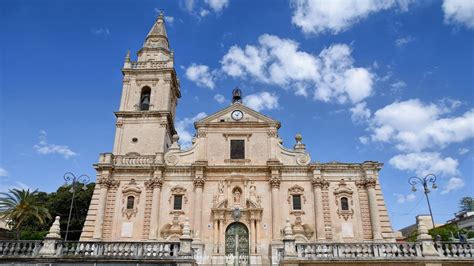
point(236, 196)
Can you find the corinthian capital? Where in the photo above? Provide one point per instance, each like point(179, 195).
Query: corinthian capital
point(199, 182)
point(369, 182)
point(108, 182)
point(154, 182)
point(320, 182)
point(275, 182)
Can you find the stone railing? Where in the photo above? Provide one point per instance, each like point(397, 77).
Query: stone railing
point(20, 248)
point(133, 160)
point(70, 252)
point(455, 250)
point(376, 251)
point(148, 64)
point(137, 250)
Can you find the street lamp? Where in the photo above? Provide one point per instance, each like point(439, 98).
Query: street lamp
point(429, 178)
point(75, 182)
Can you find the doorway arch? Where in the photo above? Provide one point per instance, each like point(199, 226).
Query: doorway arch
point(237, 244)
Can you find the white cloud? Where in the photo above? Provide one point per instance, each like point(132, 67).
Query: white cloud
point(364, 140)
point(169, 20)
point(320, 16)
point(459, 12)
point(220, 98)
point(201, 75)
point(402, 41)
point(184, 130)
point(331, 75)
point(404, 198)
point(423, 163)
point(217, 5)
point(204, 12)
point(360, 112)
point(101, 32)
point(44, 148)
point(261, 101)
point(415, 126)
point(399, 84)
point(3, 172)
point(454, 183)
point(463, 151)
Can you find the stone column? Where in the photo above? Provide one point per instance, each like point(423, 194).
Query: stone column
point(198, 187)
point(253, 241)
point(156, 184)
point(215, 227)
point(105, 183)
point(275, 186)
point(373, 208)
point(318, 183)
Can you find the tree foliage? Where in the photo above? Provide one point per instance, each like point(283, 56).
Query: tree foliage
point(19, 207)
point(58, 204)
point(466, 204)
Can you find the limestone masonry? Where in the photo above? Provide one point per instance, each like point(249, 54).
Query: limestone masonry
point(237, 184)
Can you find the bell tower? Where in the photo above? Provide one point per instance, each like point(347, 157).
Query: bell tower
point(150, 92)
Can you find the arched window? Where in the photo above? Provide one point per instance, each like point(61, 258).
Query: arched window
point(145, 99)
point(344, 204)
point(130, 202)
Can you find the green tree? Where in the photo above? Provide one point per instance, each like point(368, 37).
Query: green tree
point(20, 206)
point(466, 204)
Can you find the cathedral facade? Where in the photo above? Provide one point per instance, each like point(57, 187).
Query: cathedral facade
point(237, 185)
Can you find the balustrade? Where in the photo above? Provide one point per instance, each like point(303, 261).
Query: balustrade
point(134, 160)
point(20, 248)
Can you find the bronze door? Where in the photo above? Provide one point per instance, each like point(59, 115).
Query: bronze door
point(237, 244)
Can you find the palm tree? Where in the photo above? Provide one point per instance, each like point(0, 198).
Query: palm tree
point(19, 206)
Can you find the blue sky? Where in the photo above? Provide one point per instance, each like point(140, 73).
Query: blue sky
point(389, 80)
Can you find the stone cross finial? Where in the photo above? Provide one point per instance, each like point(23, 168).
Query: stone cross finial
point(55, 230)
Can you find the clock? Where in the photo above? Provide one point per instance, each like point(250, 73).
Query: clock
point(237, 115)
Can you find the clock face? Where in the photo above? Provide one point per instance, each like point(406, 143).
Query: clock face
point(237, 115)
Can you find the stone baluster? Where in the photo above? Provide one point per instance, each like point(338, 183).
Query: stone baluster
point(318, 183)
point(105, 182)
point(156, 184)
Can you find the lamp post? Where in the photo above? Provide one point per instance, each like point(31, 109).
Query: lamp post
point(429, 178)
point(75, 182)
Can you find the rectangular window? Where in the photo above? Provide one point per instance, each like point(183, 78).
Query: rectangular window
point(178, 202)
point(296, 202)
point(237, 149)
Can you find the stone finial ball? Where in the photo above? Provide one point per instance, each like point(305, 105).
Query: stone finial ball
point(298, 137)
point(175, 138)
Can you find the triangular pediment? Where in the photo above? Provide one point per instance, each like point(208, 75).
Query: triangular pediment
point(249, 117)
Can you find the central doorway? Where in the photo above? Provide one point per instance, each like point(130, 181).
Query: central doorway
point(237, 244)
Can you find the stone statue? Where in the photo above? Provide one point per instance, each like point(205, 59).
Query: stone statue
point(237, 197)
